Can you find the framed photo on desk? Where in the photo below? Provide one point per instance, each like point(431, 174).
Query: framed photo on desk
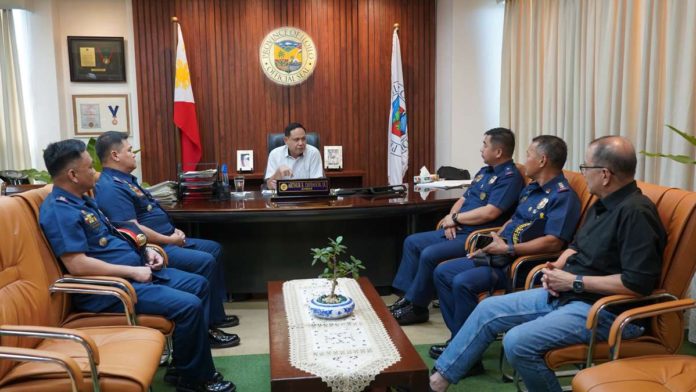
point(96, 114)
point(96, 59)
point(245, 161)
point(333, 157)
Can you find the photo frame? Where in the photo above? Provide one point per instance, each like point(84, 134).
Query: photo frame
point(333, 157)
point(245, 161)
point(96, 114)
point(96, 59)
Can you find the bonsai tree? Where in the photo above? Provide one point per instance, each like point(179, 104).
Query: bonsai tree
point(335, 268)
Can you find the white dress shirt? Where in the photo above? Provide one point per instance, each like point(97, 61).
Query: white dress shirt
point(307, 165)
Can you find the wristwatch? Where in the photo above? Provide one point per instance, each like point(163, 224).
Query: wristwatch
point(454, 219)
point(578, 284)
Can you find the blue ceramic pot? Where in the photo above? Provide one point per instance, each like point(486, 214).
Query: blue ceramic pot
point(320, 308)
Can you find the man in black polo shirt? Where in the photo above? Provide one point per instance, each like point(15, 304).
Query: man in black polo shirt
point(618, 250)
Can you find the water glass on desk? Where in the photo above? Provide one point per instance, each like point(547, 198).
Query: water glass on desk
point(239, 184)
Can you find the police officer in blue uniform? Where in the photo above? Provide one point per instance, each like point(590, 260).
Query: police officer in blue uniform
point(88, 244)
point(489, 202)
point(544, 221)
point(121, 198)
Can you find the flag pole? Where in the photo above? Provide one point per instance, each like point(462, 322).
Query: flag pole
point(177, 133)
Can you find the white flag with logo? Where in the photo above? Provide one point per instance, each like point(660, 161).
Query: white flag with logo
point(397, 156)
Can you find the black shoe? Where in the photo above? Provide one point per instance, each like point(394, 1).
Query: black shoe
point(210, 386)
point(228, 321)
point(221, 339)
point(475, 370)
point(171, 376)
point(400, 303)
point(411, 314)
point(437, 350)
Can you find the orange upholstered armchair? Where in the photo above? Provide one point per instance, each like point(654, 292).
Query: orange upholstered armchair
point(677, 210)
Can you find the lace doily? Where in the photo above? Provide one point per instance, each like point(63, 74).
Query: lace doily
point(347, 354)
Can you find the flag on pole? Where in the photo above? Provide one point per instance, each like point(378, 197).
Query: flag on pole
point(185, 108)
point(397, 157)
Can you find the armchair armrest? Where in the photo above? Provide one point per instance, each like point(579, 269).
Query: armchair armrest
point(81, 288)
point(60, 333)
point(525, 261)
point(67, 363)
point(102, 281)
point(613, 300)
point(641, 312)
point(531, 276)
point(161, 251)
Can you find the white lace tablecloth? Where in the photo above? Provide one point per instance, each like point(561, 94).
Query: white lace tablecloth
point(347, 354)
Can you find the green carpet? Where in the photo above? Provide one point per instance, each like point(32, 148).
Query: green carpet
point(251, 372)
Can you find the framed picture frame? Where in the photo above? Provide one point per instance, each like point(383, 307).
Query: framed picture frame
point(96, 114)
point(245, 161)
point(96, 59)
point(333, 157)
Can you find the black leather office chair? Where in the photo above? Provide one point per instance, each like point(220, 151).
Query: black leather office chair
point(277, 140)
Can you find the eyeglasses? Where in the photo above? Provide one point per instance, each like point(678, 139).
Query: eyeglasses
point(584, 167)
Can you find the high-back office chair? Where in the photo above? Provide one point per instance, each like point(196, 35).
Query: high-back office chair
point(277, 140)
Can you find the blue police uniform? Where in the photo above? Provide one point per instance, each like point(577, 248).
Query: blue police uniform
point(553, 209)
point(499, 186)
point(123, 199)
point(76, 225)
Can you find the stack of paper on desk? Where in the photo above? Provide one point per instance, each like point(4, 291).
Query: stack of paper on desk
point(164, 192)
point(445, 184)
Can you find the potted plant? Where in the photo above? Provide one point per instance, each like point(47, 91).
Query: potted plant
point(332, 305)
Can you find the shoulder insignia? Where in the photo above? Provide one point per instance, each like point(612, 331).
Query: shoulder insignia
point(116, 179)
point(509, 172)
point(562, 187)
point(62, 198)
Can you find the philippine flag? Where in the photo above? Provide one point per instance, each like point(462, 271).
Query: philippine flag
point(185, 109)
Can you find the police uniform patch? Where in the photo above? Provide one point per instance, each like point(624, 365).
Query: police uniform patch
point(562, 187)
point(482, 196)
point(492, 180)
point(90, 219)
point(62, 198)
point(478, 178)
point(103, 241)
point(149, 207)
point(542, 203)
point(135, 190)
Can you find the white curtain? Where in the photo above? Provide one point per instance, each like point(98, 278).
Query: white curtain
point(580, 69)
point(14, 146)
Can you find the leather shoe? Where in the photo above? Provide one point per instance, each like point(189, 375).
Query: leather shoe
point(410, 314)
point(437, 349)
point(171, 376)
point(222, 339)
point(228, 321)
point(210, 386)
point(400, 303)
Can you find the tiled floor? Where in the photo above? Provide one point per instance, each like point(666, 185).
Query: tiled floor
point(253, 328)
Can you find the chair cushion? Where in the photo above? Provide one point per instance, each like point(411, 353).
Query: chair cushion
point(83, 320)
point(644, 345)
point(129, 359)
point(641, 374)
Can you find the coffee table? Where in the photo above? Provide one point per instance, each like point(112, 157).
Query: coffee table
point(410, 372)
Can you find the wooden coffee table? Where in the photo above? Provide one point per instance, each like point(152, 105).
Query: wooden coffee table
point(410, 372)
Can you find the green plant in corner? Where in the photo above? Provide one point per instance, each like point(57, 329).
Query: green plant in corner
point(685, 159)
point(336, 268)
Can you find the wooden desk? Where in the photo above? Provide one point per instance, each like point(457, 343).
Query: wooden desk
point(264, 240)
point(337, 178)
point(409, 372)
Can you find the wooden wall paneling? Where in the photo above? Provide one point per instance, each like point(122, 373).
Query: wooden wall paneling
point(346, 100)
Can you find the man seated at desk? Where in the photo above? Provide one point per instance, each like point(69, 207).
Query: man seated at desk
point(296, 159)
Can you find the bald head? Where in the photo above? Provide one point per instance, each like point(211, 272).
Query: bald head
point(617, 154)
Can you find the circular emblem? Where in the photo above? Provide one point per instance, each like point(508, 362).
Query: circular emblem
point(103, 241)
point(283, 187)
point(288, 56)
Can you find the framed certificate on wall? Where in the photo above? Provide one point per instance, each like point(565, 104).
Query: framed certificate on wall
point(96, 59)
point(333, 157)
point(96, 114)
